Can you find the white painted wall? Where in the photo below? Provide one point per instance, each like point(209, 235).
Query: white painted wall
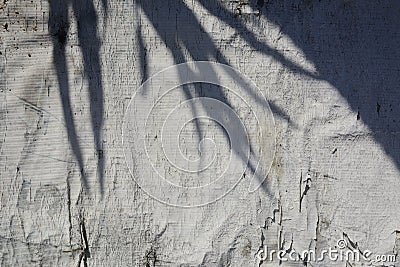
point(318, 64)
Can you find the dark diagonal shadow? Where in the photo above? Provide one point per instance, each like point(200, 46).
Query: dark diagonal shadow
point(354, 47)
point(218, 10)
point(86, 17)
point(181, 32)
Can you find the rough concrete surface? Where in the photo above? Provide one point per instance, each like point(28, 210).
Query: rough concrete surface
point(69, 69)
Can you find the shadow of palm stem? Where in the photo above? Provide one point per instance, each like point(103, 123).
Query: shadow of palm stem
point(86, 17)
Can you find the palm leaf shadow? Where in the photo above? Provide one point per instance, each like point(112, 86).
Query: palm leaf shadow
point(181, 31)
point(86, 17)
point(354, 47)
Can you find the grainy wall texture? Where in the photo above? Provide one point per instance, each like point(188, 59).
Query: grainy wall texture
point(69, 69)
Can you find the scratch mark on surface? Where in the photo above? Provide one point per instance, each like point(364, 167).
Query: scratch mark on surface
point(305, 191)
